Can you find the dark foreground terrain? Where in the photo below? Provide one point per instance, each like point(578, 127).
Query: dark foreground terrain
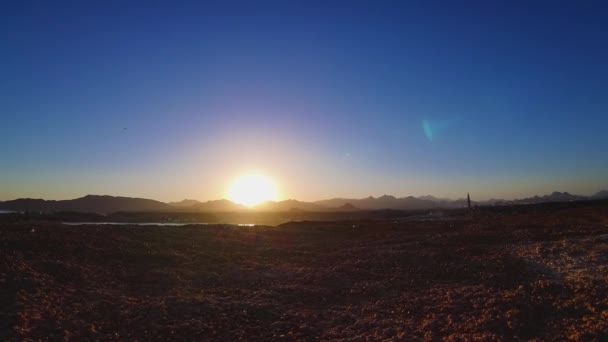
point(534, 274)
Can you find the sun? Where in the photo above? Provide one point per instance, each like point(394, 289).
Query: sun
point(252, 189)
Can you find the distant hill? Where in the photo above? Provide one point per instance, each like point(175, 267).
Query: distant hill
point(185, 203)
point(222, 205)
point(382, 202)
point(433, 198)
point(600, 195)
point(89, 204)
point(110, 204)
point(556, 196)
point(347, 207)
point(429, 202)
point(28, 204)
point(288, 205)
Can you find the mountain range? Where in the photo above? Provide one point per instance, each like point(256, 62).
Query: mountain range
point(110, 204)
point(89, 203)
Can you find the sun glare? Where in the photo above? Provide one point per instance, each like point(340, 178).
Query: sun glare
point(250, 190)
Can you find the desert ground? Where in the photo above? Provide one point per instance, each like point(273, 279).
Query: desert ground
point(501, 275)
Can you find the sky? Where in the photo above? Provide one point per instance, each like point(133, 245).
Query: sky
point(174, 99)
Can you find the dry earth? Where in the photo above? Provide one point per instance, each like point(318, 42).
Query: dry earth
point(535, 276)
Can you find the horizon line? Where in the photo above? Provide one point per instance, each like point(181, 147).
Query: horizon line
point(313, 201)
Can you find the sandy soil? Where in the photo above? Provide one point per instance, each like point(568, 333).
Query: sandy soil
point(540, 276)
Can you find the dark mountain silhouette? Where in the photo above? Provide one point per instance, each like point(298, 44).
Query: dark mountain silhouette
point(382, 202)
point(556, 196)
point(433, 198)
point(27, 204)
point(461, 203)
point(333, 202)
point(600, 195)
point(89, 203)
point(110, 204)
point(185, 203)
point(222, 205)
point(347, 207)
point(412, 202)
point(288, 205)
point(428, 201)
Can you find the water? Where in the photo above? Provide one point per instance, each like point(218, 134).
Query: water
point(160, 224)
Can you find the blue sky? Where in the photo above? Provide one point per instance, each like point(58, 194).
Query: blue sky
point(174, 99)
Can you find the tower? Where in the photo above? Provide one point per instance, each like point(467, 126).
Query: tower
point(469, 200)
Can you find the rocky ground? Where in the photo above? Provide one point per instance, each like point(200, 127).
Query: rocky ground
point(528, 276)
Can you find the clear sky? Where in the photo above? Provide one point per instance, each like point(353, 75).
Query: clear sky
point(174, 99)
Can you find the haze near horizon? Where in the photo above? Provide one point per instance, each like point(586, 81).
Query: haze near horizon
point(174, 100)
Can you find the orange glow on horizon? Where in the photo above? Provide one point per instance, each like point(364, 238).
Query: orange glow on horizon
point(252, 189)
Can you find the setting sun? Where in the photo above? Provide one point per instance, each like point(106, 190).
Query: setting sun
point(250, 190)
